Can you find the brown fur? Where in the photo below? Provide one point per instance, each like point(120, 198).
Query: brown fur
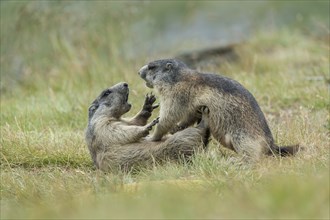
point(236, 119)
point(116, 143)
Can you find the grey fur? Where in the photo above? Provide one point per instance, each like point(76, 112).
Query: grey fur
point(116, 143)
point(236, 119)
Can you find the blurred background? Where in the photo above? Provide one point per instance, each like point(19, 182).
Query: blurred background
point(42, 38)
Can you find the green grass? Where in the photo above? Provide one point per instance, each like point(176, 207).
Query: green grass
point(50, 75)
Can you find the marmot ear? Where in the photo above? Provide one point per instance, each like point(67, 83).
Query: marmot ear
point(95, 103)
point(92, 109)
point(169, 66)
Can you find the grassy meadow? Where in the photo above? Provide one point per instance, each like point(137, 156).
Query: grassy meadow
point(56, 56)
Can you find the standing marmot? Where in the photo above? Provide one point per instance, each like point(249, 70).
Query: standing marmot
point(236, 119)
point(118, 144)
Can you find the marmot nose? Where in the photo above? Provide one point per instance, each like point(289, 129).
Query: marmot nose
point(142, 71)
point(125, 85)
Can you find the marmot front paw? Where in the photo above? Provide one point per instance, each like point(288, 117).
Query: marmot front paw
point(148, 103)
point(205, 111)
point(153, 123)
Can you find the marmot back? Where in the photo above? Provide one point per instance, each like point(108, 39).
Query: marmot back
point(236, 119)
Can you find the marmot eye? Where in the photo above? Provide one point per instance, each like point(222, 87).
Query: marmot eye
point(151, 66)
point(106, 93)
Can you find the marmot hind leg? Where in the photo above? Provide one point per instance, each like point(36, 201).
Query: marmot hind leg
point(251, 147)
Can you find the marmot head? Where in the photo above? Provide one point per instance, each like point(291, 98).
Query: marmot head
point(160, 72)
point(112, 101)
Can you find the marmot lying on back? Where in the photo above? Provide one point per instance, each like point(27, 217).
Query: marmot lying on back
point(116, 143)
point(236, 119)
